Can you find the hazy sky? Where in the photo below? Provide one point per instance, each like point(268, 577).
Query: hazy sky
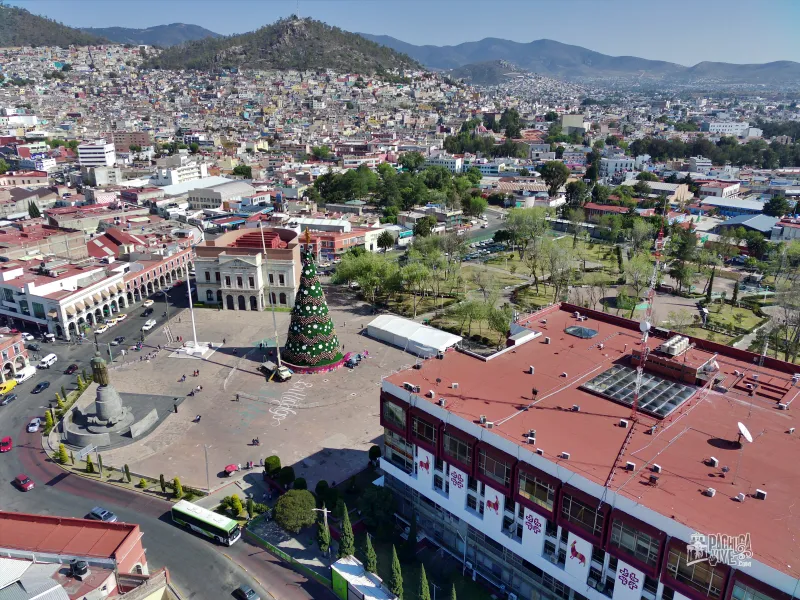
point(682, 31)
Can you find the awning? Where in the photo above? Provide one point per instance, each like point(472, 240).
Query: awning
point(105, 294)
point(120, 286)
point(71, 311)
point(97, 299)
point(53, 314)
point(80, 306)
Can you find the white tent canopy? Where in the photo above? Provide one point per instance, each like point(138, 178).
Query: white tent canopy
point(413, 337)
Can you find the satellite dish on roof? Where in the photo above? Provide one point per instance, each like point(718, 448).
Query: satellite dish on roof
point(744, 432)
point(644, 326)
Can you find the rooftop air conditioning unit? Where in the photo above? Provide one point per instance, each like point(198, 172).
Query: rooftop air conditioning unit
point(454, 385)
point(623, 423)
point(482, 419)
point(576, 408)
point(656, 468)
point(653, 479)
point(783, 406)
point(431, 394)
point(531, 370)
point(547, 340)
point(540, 451)
point(761, 494)
point(710, 492)
point(565, 455)
point(531, 439)
point(791, 430)
point(713, 462)
point(489, 424)
point(415, 389)
point(740, 497)
point(442, 402)
point(630, 466)
point(407, 386)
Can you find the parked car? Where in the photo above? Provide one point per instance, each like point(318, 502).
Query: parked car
point(71, 369)
point(8, 399)
point(101, 514)
point(23, 482)
point(147, 312)
point(102, 329)
point(148, 303)
point(34, 425)
point(33, 346)
point(121, 317)
point(24, 374)
point(7, 386)
point(118, 340)
point(40, 387)
point(27, 337)
point(6, 444)
point(149, 325)
point(245, 592)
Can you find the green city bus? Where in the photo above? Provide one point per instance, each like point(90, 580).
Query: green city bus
point(210, 524)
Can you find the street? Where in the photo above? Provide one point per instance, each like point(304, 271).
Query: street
point(198, 568)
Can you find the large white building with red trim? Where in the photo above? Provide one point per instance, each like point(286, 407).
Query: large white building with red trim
point(531, 467)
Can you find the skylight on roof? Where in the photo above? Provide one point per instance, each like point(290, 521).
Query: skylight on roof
point(658, 397)
point(581, 332)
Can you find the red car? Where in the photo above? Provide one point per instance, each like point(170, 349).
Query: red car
point(6, 444)
point(71, 369)
point(24, 482)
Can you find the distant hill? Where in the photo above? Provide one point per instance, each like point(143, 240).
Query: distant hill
point(548, 57)
point(291, 43)
point(492, 72)
point(159, 35)
point(18, 27)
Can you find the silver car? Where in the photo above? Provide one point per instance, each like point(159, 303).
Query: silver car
point(34, 425)
point(101, 514)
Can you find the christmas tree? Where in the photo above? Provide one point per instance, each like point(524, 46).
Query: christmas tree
point(312, 340)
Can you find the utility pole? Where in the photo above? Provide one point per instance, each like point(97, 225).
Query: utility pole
point(324, 512)
point(208, 481)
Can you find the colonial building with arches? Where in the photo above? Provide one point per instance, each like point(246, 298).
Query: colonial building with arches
point(234, 273)
point(14, 356)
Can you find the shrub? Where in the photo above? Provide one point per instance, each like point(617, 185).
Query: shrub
point(323, 535)
point(142, 483)
point(300, 484)
point(162, 483)
point(295, 510)
point(374, 452)
point(286, 476)
point(176, 486)
point(48, 423)
point(332, 497)
point(321, 491)
point(62, 456)
point(127, 473)
point(236, 505)
point(89, 464)
point(484, 340)
point(251, 508)
point(272, 465)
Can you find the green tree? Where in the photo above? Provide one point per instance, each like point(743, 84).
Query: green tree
point(244, 171)
point(473, 206)
point(424, 227)
point(777, 206)
point(127, 473)
point(735, 295)
point(637, 276)
point(163, 483)
point(236, 505)
point(710, 285)
point(555, 175)
point(33, 211)
point(424, 592)
point(48, 422)
point(642, 188)
point(71, 458)
point(251, 508)
point(551, 116)
point(453, 593)
point(346, 539)
point(89, 464)
point(286, 476)
point(323, 533)
point(100, 464)
point(377, 506)
point(177, 488)
point(385, 241)
point(577, 193)
point(370, 558)
point(321, 152)
point(300, 484)
point(396, 577)
point(412, 161)
point(646, 176)
point(63, 457)
point(295, 510)
point(474, 175)
point(194, 148)
point(272, 464)
point(142, 483)
point(3, 166)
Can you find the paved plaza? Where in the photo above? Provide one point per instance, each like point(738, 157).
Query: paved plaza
point(322, 424)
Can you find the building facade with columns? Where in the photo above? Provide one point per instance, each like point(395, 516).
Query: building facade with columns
point(233, 271)
point(14, 355)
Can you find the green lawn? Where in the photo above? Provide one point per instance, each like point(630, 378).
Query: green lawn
point(403, 304)
point(444, 573)
point(480, 327)
point(725, 316)
point(527, 297)
point(498, 280)
point(711, 336)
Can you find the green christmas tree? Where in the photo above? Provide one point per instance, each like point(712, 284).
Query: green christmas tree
point(311, 341)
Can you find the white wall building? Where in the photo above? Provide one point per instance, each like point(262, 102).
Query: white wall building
point(616, 164)
point(454, 164)
point(700, 164)
point(733, 128)
point(98, 153)
point(178, 169)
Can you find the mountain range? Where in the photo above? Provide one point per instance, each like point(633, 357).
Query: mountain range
point(159, 35)
point(291, 43)
point(554, 59)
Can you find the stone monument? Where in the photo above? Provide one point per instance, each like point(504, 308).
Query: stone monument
point(109, 415)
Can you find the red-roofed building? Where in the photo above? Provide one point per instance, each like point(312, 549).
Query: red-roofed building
point(533, 468)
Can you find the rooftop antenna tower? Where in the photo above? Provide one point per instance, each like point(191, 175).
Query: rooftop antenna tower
point(644, 326)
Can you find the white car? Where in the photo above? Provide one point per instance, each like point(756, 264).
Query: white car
point(148, 303)
point(149, 325)
point(27, 337)
point(24, 374)
point(34, 425)
point(102, 329)
point(121, 317)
